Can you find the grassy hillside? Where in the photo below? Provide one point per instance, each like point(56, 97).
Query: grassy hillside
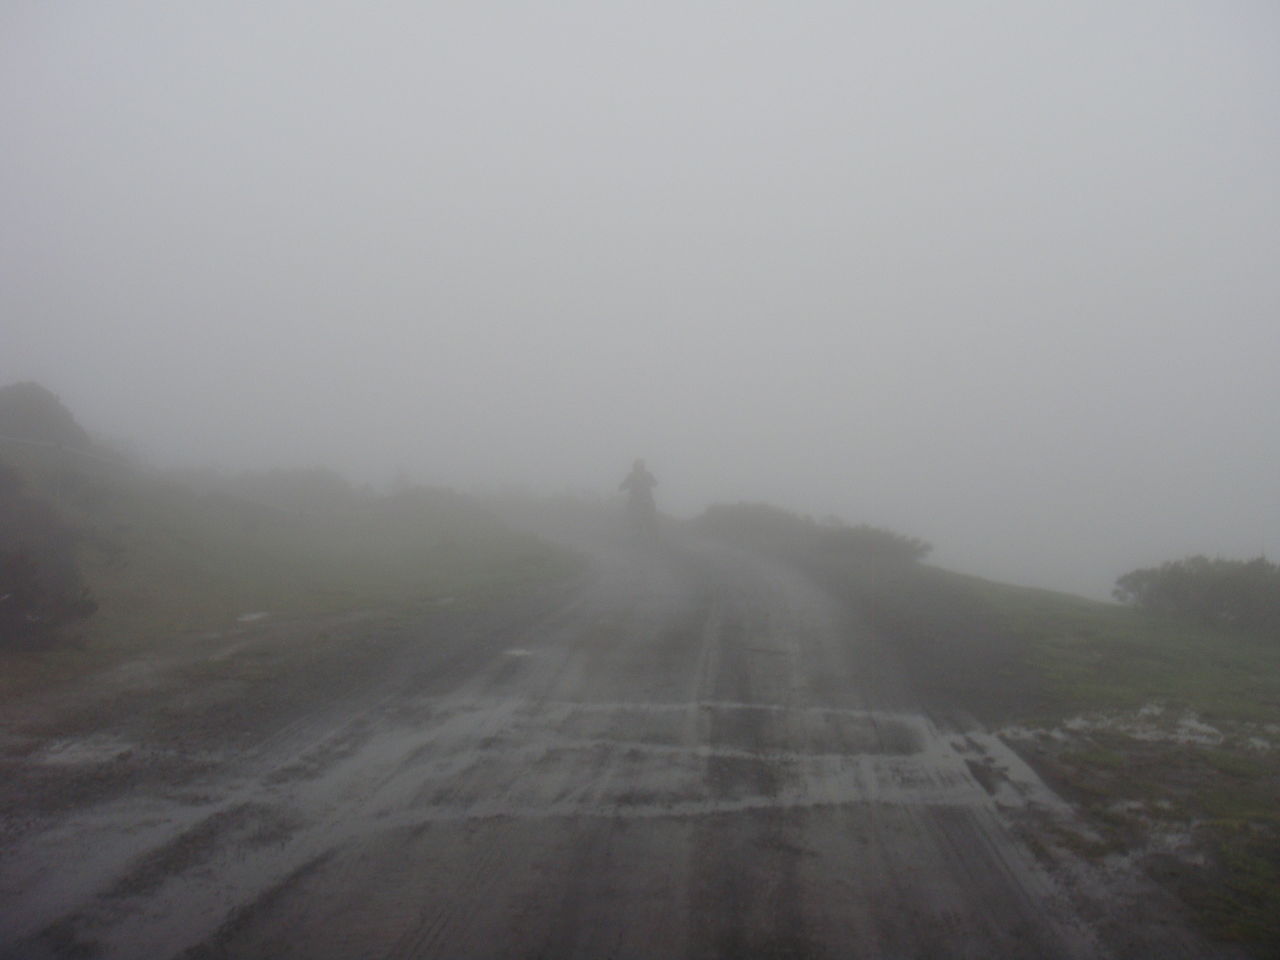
point(166, 556)
point(1167, 733)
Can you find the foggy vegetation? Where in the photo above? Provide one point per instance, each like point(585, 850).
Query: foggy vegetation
point(764, 525)
point(937, 613)
point(1235, 593)
point(41, 589)
point(167, 549)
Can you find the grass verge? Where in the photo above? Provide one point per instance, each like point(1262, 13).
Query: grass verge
point(1166, 734)
point(166, 559)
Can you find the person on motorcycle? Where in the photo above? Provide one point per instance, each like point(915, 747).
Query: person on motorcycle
point(638, 485)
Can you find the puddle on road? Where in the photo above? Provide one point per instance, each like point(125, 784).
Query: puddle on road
point(527, 759)
point(477, 760)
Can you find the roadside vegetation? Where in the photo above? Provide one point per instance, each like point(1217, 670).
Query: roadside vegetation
point(1159, 718)
point(41, 589)
point(102, 558)
point(1165, 729)
point(1239, 594)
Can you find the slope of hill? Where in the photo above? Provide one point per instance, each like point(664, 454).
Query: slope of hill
point(29, 412)
point(166, 556)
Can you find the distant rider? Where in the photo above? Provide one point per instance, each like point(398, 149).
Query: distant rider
point(639, 484)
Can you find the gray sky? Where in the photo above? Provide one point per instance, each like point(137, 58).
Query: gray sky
point(1003, 275)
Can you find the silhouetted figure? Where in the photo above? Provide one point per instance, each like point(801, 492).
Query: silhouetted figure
point(641, 510)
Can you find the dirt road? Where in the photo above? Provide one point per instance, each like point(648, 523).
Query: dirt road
point(690, 754)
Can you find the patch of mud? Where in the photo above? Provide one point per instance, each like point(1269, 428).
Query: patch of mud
point(80, 774)
point(1151, 723)
point(245, 916)
point(1164, 794)
point(314, 762)
point(245, 825)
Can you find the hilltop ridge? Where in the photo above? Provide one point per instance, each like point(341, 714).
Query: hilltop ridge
point(32, 413)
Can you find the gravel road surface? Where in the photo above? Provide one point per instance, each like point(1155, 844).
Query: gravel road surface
point(689, 753)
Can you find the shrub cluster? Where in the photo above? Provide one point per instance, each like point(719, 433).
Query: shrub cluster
point(764, 526)
point(1234, 593)
point(30, 412)
point(40, 585)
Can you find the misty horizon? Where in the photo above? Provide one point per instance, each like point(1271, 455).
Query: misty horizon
point(1002, 280)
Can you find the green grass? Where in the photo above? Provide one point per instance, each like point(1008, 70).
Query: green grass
point(1111, 661)
point(1104, 657)
point(1099, 757)
point(1039, 659)
point(163, 560)
point(185, 563)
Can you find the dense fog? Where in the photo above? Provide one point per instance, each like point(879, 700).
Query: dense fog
point(1001, 276)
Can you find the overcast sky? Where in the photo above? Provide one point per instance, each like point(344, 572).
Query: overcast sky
point(1001, 275)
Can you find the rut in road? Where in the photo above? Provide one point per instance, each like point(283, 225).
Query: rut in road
point(701, 755)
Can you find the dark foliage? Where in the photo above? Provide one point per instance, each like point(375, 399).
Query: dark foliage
point(872, 543)
point(41, 590)
point(758, 525)
point(763, 526)
point(1234, 593)
point(30, 412)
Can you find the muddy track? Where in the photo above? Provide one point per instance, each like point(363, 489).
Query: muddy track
point(695, 754)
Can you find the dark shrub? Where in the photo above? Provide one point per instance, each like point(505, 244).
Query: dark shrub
point(41, 590)
point(764, 526)
point(1234, 593)
point(758, 525)
point(30, 412)
point(872, 544)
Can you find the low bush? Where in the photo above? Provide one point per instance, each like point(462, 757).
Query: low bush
point(1231, 593)
point(766, 527)
point(41, 590)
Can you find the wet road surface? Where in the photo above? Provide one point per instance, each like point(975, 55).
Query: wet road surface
point(696, 754)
